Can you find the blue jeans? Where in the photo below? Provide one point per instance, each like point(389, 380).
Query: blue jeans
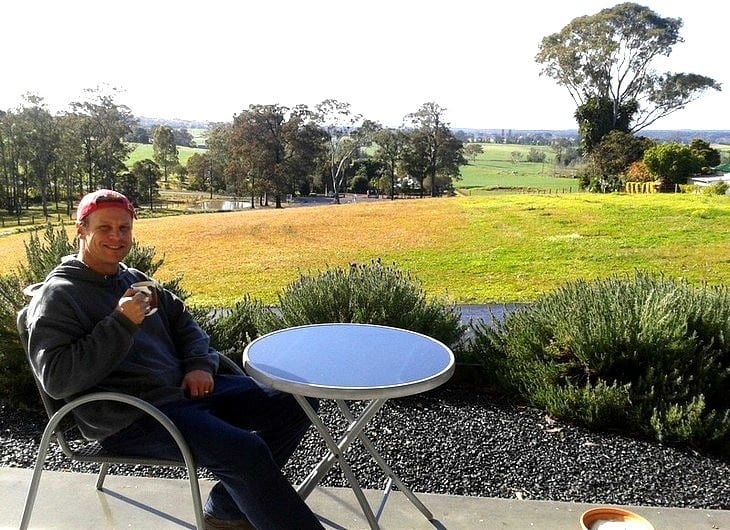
point(243, 433)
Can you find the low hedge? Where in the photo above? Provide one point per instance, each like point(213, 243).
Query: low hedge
point(644, 354)
point(370, 293)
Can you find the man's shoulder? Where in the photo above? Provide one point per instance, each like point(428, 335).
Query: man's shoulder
point(137, 274)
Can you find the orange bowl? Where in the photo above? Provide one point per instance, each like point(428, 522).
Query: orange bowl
point(606, 514)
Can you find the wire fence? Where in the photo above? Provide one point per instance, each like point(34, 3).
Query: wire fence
point(32, 220)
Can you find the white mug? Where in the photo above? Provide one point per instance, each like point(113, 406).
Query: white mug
point(147, 288)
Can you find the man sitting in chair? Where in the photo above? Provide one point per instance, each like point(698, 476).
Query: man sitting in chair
point(89, 331)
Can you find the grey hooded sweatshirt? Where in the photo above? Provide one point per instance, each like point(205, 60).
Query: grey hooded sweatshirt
point(79, 344)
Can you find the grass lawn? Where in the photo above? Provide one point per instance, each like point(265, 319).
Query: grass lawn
point(496, 168)
point(142, 151)
point(498, 248)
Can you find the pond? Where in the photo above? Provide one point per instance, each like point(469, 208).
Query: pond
point(220, 205)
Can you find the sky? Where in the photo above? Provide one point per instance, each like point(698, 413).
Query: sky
point(209, 60)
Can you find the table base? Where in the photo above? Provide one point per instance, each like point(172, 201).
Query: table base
point(336, 454)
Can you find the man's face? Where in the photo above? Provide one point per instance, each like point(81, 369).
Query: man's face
point(105, 239)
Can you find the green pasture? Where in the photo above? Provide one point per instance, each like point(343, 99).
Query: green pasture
point(511, 247)
point(142, 151)
point(200, 136)
point(499, 248)
point(498, 169)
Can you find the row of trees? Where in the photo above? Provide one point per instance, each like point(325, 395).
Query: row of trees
point(271, 150)
point(50, 159)
point(604, 61)
point(268, 150)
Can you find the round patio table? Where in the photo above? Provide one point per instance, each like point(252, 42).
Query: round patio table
point(344, 362)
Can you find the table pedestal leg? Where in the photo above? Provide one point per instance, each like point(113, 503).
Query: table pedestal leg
point(392, 477)
point(336, 455)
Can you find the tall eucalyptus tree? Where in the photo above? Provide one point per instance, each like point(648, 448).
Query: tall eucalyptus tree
point(164, 149)
point(104, 126)
point(218, 154)
point(256, 149)
point(347, 133)
point(432, 154)
point(390, 145)
point(39, 147)
point(605, 62)
point(274, 148)
point(70, 160)
point(10, 173)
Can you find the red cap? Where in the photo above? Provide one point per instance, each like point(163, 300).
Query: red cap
point(102, 199)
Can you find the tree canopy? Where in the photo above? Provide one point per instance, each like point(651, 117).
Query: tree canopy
point(164, 148)
point(272, 149)
point(672, 163)
point(433, 152)
point(605, 62)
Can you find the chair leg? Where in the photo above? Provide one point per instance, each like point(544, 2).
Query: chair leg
point(197, 503)
point(102, 475)
point(35, 480)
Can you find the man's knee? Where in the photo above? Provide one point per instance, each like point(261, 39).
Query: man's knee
point(251, 456)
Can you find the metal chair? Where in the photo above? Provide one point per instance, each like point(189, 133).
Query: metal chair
point(58, 411)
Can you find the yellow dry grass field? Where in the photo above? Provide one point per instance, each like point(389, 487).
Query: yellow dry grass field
point(227, 255)
point(502, 248)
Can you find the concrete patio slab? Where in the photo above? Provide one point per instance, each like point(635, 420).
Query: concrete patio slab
point(68, 501)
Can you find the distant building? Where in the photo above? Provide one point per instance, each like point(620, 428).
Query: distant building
point(721, 174)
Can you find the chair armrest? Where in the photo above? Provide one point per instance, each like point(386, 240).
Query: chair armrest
point(136, 402)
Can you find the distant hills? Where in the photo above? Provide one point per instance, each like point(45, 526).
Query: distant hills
point(683, 136)
point(174, 123)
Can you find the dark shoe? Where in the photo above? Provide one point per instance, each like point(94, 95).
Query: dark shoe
point(212, 523)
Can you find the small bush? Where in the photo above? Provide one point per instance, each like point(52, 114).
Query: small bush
point(718, 188)
point(645, 354)
point(233, 329)
point(370, 293)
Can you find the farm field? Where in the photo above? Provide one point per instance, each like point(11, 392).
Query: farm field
point(497, 169)
point(142, 151)
point(499, 248)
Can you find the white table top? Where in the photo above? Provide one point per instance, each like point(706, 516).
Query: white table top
point(348, 361)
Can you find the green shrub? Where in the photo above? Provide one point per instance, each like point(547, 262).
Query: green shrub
point(718, 188)
point(646, 354)
point(231, 330)
point(369, 293)
point(596, 405)
point(16, 380)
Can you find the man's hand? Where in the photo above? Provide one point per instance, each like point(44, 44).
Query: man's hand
point(133, 305)
point(197, 383)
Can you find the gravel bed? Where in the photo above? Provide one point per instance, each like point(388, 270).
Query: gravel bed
point(456, 440)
